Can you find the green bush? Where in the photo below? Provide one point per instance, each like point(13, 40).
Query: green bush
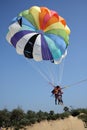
point(75, 112)
point(83, 117)
point(64, 115)
point(17, 118)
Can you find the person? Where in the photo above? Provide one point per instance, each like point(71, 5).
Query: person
point(59, 97)
point(57, 92)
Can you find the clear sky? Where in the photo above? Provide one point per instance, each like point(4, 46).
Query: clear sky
point(20, 84)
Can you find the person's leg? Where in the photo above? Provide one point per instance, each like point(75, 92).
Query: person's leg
point(61, 99)
point(55, 99)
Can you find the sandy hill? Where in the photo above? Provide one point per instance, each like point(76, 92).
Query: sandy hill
point(71, 123)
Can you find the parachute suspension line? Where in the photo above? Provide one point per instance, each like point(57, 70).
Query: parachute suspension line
point(46, 71)
point(52, 70)
point(49, 71)
point(38, 69)
point(76, 83)
point(49, 68)
point(55, 74)
point(61, 71)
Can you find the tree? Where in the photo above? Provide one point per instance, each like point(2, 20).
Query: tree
point(31, 116)
point(41, 116)
point(16, 116)
point(5, 118)
point(66, 109)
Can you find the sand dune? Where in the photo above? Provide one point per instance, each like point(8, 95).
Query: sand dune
point(71, 123)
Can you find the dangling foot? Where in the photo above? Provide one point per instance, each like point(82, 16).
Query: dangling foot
point(55, 103)
point(61, 103)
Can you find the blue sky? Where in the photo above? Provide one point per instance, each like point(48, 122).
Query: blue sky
point(20, 84)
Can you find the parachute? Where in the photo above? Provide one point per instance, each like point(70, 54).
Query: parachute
point(39, 34)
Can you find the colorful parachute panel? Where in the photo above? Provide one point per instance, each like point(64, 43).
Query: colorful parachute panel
point(39, 33)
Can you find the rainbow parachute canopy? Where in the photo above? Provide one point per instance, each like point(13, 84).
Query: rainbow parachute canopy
point(39, 33)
